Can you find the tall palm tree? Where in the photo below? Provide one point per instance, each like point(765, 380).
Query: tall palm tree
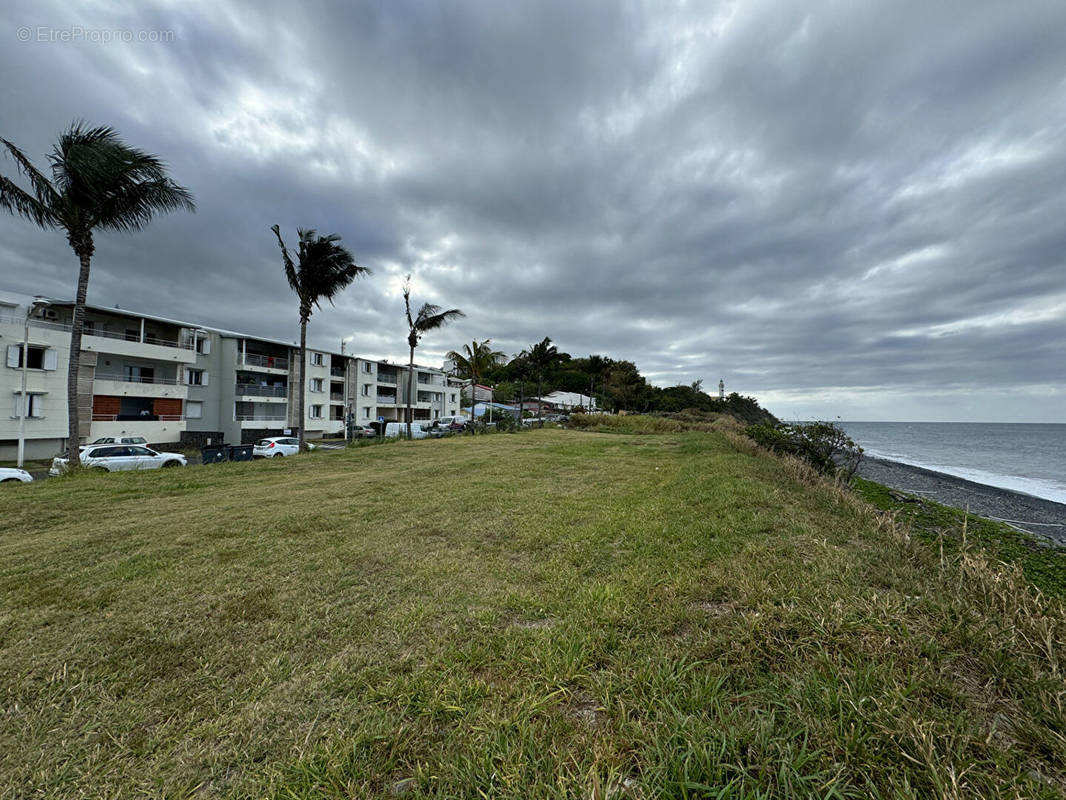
point(97, 182)
point(597, 367)
point(322, 269)
point(429, 318)
point(475, 360)
point(541, 357)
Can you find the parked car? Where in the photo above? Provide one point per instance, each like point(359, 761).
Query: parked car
point(14, 475)
point(119, 458)
point(117, 440)
point(453, 423)
point(419, 430)
point(363, 432)
point(278, 446)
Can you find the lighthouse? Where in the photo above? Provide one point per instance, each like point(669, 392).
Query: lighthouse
point(721, 390)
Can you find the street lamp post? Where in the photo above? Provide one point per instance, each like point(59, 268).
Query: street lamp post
point(23, 399)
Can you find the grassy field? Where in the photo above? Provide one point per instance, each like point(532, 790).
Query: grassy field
point(552, 614)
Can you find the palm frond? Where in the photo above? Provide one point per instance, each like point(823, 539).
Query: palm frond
point(430, 317)
point(322, 269)
point(42, 188)
point(290, 270)
point(18, 201)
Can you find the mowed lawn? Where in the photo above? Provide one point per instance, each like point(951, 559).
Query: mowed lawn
point(550, 614)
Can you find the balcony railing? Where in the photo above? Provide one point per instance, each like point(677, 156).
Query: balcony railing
point(336, 398)
point(138, 418)
point(138, 379)
point(260, 417)
point(385, 378)
point(336, 372)
point(270, 362)
point(386, 399)
point(16, 319)
point(92, 331)
point(251, 390)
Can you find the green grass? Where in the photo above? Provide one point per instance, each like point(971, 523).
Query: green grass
point(551, 614)
point(1043, 564)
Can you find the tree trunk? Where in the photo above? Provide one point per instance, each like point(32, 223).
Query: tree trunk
point(300, 414)
point(410, 389)
point(84, 252)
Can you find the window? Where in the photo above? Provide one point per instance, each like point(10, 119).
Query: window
point(194, 409)
point(368, 367)
point(316, 359)
point(196, 377)
point(203, 346)
point(316, 412)
point(37, 357)
point(35, 409)
point(453, 397)
point(316, 385)
point(366, 390)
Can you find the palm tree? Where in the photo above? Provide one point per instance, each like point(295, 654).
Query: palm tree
point(475, 360)
point(597, 367)
point(321, 270)
point(429, 318)
point(97, 182)
point(540, 357)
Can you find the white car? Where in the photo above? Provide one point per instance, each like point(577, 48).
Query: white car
point(278, 446)
point(14, 475)
point(121, 457)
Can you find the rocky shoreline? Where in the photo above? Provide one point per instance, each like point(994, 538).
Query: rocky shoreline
point(1042, 518)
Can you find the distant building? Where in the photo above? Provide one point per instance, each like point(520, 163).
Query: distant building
point(568, 401)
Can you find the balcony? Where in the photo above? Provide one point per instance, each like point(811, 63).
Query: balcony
point(261, 417)
point(336, 398)
point(98, 341)
point(129, 419)
point(127, 386)
point(261, 362)
point(386, 399)
point(336, 372)
point(268, 392)
point(384, 377)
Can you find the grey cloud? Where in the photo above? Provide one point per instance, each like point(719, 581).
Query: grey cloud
point(807, 201)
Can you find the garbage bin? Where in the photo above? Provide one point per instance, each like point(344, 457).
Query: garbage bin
point(240, 452)
point(214, 455)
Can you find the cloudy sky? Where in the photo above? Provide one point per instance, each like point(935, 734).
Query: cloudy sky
point(846, 209)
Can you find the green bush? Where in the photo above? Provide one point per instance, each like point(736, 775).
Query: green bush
point(823, 445)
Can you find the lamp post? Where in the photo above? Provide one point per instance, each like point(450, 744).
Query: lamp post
point(37, 302)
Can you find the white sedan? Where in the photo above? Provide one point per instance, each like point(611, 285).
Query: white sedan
point(119, 458)
point(278, 446)
point(13, 475)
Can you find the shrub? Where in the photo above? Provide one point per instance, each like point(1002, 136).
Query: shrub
point(823, 445)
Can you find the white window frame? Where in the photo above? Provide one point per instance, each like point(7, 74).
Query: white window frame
point(200, 373)
point(315, 412)
point(49, 357)
point(368, 368)
point(316, 360)
point(367, 413)
point(315, 385)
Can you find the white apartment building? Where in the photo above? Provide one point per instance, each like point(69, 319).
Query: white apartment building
point(380, 390)
point(167, 380)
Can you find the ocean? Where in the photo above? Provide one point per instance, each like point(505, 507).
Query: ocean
point(1025, 457)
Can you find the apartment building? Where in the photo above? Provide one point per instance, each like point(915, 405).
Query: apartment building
point(163, 379)
point(380, 390)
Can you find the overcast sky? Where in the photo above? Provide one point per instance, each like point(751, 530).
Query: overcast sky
point(845, 209)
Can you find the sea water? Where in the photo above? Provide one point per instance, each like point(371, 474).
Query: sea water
point(1025, 457)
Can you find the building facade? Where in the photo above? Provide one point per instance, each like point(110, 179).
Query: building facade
point(166, 380)
point(379, 390)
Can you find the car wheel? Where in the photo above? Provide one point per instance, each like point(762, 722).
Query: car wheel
point(100, 469)
point(171, 464)
point(10, 480)
point(277, 454)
